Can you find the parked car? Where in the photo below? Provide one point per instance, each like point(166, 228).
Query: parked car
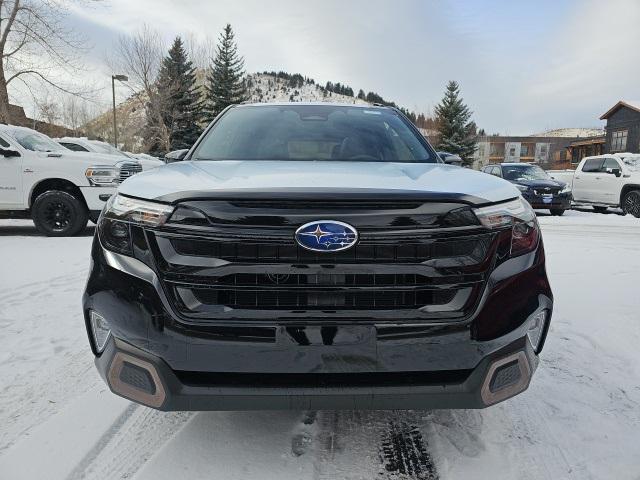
point(83, 144)
point(307, 256)
point(535, 185)
point(59, 189)
point(451, 158)
point(605, 181)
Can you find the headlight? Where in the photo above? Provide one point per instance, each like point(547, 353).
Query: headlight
point(522, 188)
point(102, 175)
point(566, 189)
point(121, 212)
point(516, 214)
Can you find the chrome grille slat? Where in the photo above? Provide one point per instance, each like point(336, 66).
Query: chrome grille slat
point(128, 169)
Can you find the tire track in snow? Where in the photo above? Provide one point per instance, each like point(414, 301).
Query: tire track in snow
point(372, 444)
point(127, 445)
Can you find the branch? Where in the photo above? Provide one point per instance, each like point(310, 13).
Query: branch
point(44, 79)
point(7, 29)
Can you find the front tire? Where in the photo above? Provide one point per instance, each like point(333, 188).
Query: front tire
point(631, 203)
point(600, 209)
point(558, 212)
point(59, 214)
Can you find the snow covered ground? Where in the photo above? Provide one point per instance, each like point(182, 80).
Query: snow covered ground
point(580, 419)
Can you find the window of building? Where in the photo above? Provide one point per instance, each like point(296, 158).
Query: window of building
point(481, 150)
point(512, 152)
point(619, 140)
point(543, 150)
point(493, 149)
point(524, 150)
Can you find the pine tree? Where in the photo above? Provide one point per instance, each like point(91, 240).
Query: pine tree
point(225, 85)
point(456, 131)
point(182, 107)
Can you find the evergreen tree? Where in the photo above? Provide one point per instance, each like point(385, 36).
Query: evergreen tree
point(457, 132)
point(180, 98)
point(225, 85)
point(361, 95)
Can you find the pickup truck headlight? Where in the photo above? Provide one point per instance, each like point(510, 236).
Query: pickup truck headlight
point(516, 214)
point(522, 188)
point(121, 212)
point(566, 189)
point(102, 176)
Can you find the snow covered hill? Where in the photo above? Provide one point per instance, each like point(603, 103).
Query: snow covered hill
point(262, 87)
point(266, 88)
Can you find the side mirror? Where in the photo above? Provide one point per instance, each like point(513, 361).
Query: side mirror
point(616, 172)
point(7, 152)
point(176, 155)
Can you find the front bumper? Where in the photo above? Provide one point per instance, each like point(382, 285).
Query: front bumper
point(296, 365)
point(96, 197)
point(560, 201)
point(168, 390)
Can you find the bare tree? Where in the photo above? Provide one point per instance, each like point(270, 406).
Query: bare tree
point(139, 56)
point(201, 51)
point(37, 47)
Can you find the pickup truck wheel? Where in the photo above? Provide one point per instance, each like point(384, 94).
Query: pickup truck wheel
point(59, 214)
point(631, 203)
point(600, 209)
point(558, 212)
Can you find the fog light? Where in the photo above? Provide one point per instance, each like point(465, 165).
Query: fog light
point(536, 329)
point(100, 329)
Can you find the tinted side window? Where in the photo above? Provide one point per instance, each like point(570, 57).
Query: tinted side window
point(610, 163)
point(592, 165)
point(74, 146)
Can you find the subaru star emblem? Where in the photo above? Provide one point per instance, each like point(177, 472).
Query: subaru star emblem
point(326, 236)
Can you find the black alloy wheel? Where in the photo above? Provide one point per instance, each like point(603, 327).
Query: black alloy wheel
point(59, 214)
point(631, 203)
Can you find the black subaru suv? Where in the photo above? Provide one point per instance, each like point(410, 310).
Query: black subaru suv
point(316, 256)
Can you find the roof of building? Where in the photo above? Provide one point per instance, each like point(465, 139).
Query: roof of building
point(589, 141)
point(632, 104)
point(571, 132)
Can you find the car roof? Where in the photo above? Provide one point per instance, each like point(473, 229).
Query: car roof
point(325, 104)
point(12, 128)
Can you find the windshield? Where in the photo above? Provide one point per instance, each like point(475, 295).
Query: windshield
point(36, 142)
point(524, 172)
point(313, 132)
point(102, 147)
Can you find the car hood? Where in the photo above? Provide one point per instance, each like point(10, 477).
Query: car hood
point(539, 183)
point(209, 179)
point(92, 158)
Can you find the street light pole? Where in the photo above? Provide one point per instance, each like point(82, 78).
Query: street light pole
point(121, 78)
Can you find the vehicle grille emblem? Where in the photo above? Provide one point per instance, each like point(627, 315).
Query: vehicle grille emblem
point(326, 236)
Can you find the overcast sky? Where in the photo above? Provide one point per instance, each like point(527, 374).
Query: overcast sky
point(523, 67)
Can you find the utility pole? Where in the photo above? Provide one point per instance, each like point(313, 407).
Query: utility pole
point(120, 78)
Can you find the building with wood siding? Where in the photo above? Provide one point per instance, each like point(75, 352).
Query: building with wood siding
point(547, 151)
point(623, 127)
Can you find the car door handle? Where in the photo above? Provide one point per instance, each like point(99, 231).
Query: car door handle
point(54, 155)
point(577, 178)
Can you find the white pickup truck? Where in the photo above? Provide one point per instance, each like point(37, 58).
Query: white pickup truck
point(605, 181)
point(58, 188)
